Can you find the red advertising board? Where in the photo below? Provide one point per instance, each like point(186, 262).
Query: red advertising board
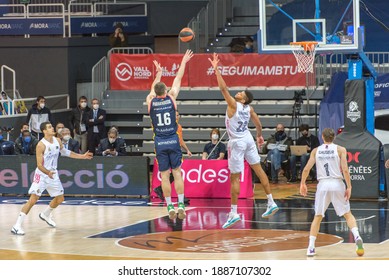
point(208, 179)
point(137, 72)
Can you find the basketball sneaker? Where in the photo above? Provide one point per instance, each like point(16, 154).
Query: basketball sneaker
point(171, 211)
point(360, 250)
point(232, 219)
point(17, 230)
point(47, 219)
point(311, 252)
point(270, 211)
point(181, 211)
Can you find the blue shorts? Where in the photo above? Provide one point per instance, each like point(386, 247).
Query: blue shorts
point(168, 152)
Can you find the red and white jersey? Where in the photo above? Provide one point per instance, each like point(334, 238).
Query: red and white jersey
point(328, 162)
point(51, 154)
point(237, 126)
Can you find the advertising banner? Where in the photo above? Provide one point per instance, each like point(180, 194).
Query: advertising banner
point(363, 149)
point(32, 26)
point(100, 176)
point(89, 25)
point(208, 179)
point(137, 72)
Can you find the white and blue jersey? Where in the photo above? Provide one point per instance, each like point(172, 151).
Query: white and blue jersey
point(167, 145)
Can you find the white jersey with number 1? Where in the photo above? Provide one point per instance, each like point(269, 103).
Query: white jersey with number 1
point(328, 162)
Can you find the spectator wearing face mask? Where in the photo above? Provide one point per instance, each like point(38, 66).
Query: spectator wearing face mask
point(96, 126)
point(306, 139)
point(214, 149)
point(38, 114)
point(67, 141)
point(113, 145)
point(278, 149)
point(26, 144)
point(23, 127)
point(78, 123)
point(58, 129)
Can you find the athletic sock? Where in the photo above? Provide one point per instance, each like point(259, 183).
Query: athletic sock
point(312, 240)
point(20, 219)
point(355, 232)
point(48, 211)
point(168, 200)
point(270, 200)
point(181, 198)
point(234, 209)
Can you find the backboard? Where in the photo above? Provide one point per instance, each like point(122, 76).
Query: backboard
point(334, 24)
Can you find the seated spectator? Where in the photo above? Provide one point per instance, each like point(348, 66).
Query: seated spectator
point(23, 127)
point(7, 148)
point(249, 45)
point(278, 150)
point(113, 145)
point(67, 141)
point(309, 140)
point(214, 149)
point(26, 144)
point(58, 129)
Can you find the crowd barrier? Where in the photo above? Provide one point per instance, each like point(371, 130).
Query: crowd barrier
point(99, 176)
point(208, 179)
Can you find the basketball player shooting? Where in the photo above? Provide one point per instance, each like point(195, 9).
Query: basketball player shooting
point(46, 176)
point(241, 145)
point(162, 108)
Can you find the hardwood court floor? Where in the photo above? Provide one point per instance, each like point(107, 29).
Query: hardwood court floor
point(102, 229)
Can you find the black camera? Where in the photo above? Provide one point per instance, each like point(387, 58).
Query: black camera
point(298, 96)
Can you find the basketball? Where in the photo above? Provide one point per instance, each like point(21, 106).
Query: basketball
point(186, 35)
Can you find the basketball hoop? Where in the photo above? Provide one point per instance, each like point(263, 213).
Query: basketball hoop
point(304, 52)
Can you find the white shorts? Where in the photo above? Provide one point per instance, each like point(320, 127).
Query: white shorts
point(43, 182)
point(331, 191)
point(240, 150)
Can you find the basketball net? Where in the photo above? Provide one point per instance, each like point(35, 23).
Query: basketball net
point(304, 52)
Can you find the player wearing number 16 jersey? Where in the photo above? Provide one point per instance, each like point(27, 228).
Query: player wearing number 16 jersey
point(241, 145)
point(162, 109)
point(331, 162)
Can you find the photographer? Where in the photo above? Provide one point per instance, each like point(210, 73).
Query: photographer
point(118, 38)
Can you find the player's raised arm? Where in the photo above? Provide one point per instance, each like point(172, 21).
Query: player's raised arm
point(180, 73)
point(222, 84)
point(156, 80)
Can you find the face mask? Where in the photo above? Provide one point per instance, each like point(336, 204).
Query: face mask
point(111, 140)
point(279, 135)
point(215, 136)
point(27, 139)
point(59, 130)
point(95, 106)
point(66, 138)
point(83, 104)
point(42, 105)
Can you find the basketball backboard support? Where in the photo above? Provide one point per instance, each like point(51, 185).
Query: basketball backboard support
point(332, 23)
